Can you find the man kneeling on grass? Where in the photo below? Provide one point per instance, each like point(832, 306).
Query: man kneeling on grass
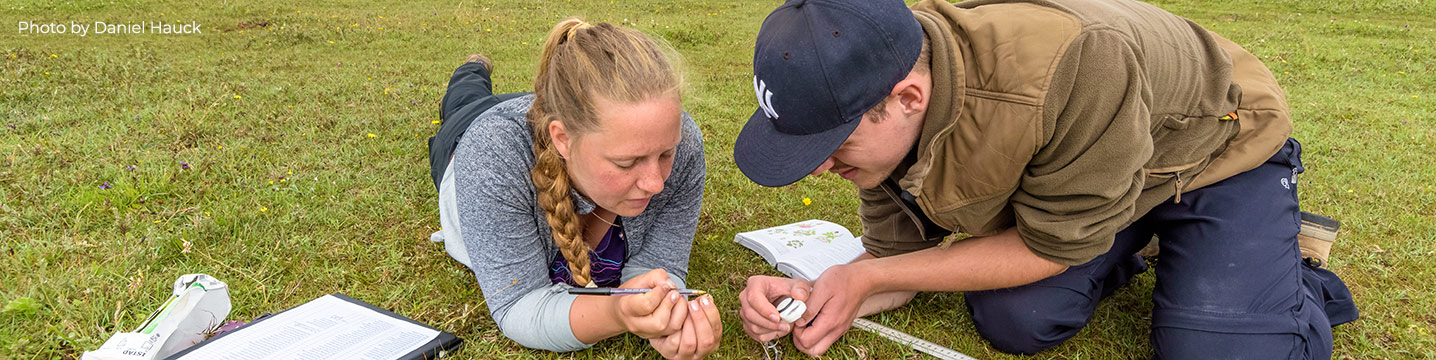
point(1061, 135)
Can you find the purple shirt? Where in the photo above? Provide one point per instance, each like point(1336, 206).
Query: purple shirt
point(605, 261)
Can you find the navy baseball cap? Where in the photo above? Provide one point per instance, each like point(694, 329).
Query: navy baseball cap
point(818, 66)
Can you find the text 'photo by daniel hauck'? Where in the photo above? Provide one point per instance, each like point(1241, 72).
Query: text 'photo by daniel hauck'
point(102, 28)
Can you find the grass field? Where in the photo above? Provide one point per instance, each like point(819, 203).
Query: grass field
point(283, 151)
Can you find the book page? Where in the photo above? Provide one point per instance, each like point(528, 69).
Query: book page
point(804, 249)
point(799, 237)
point(810, 265)
point(326, 328)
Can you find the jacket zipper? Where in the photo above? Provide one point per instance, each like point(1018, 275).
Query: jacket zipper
point(892, 194)
point(1178, 198)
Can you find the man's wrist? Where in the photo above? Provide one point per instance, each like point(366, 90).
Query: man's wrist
point(864, 276)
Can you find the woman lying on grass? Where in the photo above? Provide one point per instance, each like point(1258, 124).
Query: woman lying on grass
point(595, 179)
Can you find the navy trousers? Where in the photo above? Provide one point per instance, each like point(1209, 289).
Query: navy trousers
point(470, 93)
point(1230, 279)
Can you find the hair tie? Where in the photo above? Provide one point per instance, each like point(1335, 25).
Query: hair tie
point(574, 30)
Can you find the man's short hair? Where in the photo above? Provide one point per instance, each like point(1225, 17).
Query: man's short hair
point(923, 66)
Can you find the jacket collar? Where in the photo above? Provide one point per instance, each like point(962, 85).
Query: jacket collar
point(581, 204)
point(949, 79)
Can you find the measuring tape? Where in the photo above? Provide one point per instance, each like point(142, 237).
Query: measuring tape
point(921, 345)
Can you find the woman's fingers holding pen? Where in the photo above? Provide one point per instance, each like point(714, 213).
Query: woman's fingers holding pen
point(646, 304)
point(697, 329)
point(664, 320)
point(647, 314)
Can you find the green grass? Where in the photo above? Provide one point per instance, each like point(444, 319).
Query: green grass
point(288, 198)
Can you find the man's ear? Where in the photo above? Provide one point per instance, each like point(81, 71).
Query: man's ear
point(912, 96)
point(558, 134)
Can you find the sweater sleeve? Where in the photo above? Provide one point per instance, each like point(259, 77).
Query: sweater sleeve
point(1081, 187)
point(505, 245)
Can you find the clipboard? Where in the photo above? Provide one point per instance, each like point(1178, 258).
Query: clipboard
point(443, 342)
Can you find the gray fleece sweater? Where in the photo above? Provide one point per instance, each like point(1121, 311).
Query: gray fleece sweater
point(509, 240)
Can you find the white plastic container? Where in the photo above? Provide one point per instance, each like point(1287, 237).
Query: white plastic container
point(199, 304)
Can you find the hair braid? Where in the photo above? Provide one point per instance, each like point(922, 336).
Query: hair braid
point(552, 182)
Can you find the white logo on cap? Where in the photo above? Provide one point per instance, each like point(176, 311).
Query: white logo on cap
point(765, 98)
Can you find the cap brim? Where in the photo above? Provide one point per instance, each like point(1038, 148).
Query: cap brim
point(771, 158)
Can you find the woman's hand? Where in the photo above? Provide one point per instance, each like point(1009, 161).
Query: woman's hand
point(658, 313)
point(699, 336)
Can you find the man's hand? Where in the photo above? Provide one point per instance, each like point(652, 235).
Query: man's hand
point(836, 298)
point(699, 336)
point(660, 312)
point(760, 318)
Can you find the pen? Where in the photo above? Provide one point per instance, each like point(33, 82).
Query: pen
point(625, 291)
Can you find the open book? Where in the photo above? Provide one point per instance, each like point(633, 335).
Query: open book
point(330, 327)
point(803, 249)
